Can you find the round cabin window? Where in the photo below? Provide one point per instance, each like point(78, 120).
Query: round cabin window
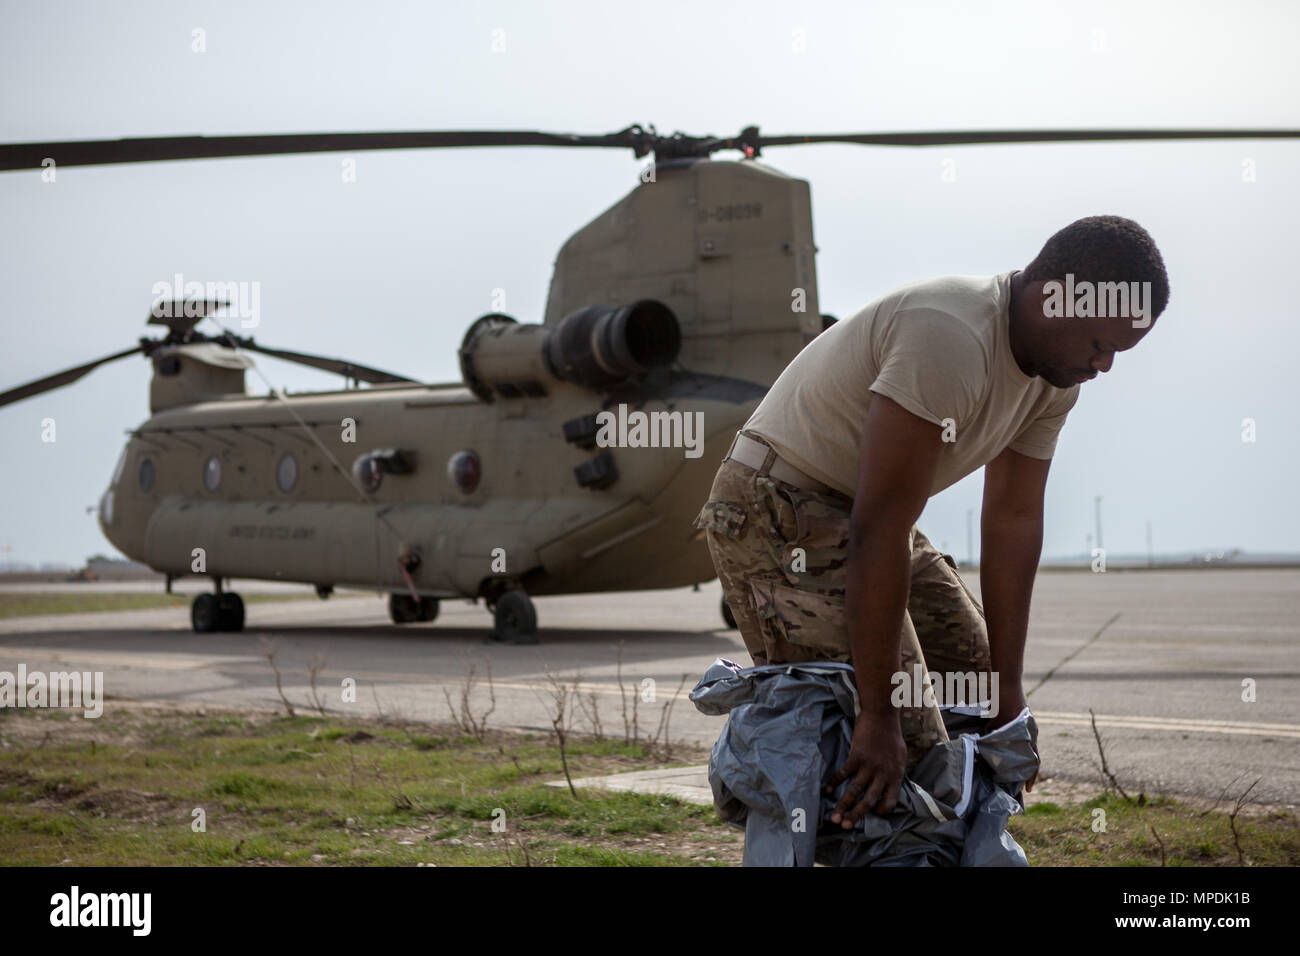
point(368, 474)
point(465, 471)
point(212, 474)
point(286, 473)
point(146, 475)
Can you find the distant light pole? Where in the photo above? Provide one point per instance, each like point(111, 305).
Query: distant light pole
point(970, 537)
point(1097, 501)
point(1151, 557)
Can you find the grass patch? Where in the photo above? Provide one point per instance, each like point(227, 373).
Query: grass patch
point(1071, 835)
point(123, 790)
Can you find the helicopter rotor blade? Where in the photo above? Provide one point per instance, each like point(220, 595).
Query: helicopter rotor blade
point(104, 152)
point(973, 137)
point(354, 370)
point(59, 379)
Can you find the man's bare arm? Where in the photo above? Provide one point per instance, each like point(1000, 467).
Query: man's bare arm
point(1011, 528)
point(897, 462)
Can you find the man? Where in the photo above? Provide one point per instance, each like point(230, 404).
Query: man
point(811, 519)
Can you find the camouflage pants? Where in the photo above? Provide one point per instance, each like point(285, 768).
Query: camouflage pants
point(781, 554)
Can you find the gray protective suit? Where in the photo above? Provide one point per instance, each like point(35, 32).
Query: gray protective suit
point(789, 728)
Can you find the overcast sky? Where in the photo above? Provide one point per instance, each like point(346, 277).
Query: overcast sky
point(390, 269)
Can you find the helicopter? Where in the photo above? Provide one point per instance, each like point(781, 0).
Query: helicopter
point(575, 451)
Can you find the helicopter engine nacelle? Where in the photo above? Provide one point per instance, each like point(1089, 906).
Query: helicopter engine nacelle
point(596, 347)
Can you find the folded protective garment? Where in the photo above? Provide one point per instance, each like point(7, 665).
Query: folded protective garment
point(789, 728)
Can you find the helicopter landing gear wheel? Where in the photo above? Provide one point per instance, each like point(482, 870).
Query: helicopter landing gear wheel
point(403, 609)
point(514, 619)
point(203, 614)
point(230, 612)
point(727, 615)
point(217, 612)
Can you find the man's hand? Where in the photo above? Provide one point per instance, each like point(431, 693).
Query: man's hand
point(877, 758)
point(1011, 701)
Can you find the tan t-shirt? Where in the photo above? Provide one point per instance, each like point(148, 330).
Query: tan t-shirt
point(941, 349)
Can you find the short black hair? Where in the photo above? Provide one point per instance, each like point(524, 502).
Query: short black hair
point(1104, 249)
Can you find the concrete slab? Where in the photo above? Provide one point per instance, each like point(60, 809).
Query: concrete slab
point(689, 784)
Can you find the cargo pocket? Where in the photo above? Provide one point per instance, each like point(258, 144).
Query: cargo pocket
point(721, 517)
point(812, 533)
point(799, 625)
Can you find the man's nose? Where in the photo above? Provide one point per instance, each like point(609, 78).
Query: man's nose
point(1103, 362)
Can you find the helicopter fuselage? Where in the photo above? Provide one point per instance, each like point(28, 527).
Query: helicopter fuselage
point(245, 487)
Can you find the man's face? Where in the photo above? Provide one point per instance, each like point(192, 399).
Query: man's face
point(1077, 349)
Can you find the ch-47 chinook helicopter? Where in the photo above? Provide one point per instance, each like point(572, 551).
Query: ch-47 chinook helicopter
point(576, 451)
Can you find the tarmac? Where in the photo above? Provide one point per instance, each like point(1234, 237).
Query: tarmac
point(1170, 679)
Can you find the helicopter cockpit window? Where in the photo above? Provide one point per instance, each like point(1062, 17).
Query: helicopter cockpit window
point(465, 470)
point(146, 475)
point(117, 469)
point(286, 473)
point(368, 473)
point(212, 474)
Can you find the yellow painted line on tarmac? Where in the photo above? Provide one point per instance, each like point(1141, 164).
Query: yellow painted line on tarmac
point(1190, 725)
